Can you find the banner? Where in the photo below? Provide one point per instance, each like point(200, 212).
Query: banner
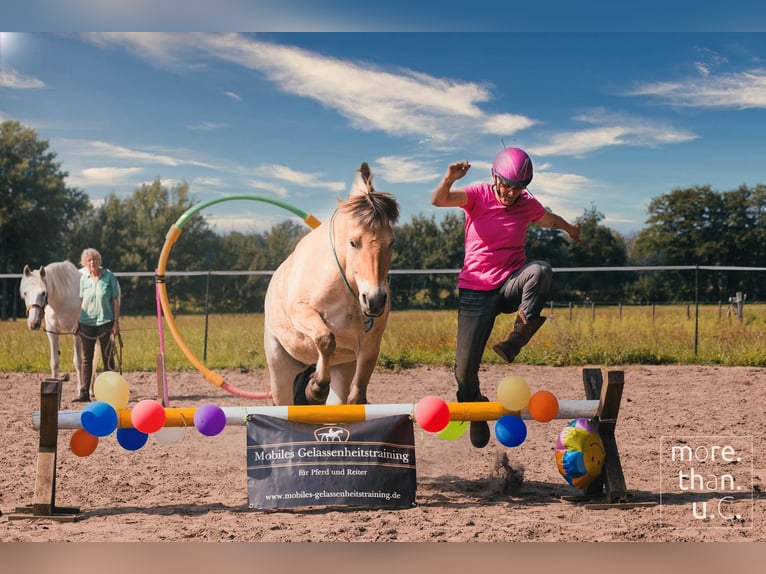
point(369, 463)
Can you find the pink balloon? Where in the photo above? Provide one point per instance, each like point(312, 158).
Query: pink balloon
point(148, 416)
point(432, 414)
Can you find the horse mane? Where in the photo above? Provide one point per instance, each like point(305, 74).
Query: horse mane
point(60, 278)
point(371, 207)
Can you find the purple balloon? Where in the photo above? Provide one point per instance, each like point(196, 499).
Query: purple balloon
point(209, 419)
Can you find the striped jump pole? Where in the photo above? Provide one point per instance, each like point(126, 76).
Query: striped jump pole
point(321, 414)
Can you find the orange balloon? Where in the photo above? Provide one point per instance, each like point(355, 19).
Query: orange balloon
point(543, 406)
point(83, 443)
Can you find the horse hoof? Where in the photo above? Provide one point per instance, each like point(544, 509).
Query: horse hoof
point(300, 385)
point(317, 394)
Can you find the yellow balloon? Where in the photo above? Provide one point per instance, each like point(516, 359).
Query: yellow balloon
point(513, 393)
point(111, 388)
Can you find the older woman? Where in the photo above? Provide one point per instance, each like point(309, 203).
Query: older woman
point(99, 316)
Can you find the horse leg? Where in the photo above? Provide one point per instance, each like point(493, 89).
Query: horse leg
point(308, 321)
point(365, 365)
point(340, 383)
point(77, 360)
point(53, 342)
point(283, 370)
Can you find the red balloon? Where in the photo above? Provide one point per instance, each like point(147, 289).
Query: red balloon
point(148, 416)
point(432, 414)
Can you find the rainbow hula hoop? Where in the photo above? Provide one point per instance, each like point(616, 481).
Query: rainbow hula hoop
point(172, 236)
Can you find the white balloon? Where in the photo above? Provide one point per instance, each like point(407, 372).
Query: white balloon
point(169, 435)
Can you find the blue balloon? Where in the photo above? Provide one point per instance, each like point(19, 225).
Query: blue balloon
point(99, 418)
point(510, 430)
point(131, 439)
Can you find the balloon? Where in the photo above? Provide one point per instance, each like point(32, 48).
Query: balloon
point(131, 439)
point(169, 435)
point(510, 430)
point(83, 443)
point(111, 388)
point(148, 416)
point(453, 431)
point(99, 418)
point(209, 419)
point(580, 452)
point(543, 406)
point(513, 393)
point(432, 414)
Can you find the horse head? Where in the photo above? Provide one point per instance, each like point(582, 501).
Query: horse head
point(34, 291)
point(363, 238)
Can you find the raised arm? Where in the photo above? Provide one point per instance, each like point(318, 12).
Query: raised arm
point(553, 221)
point(444, 195)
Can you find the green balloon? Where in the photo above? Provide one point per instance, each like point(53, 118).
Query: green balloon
point(453, 431)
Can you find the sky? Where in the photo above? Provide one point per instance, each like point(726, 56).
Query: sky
point(611, 120)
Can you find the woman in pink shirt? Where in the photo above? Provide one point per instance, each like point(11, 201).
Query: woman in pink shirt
point(496, 277)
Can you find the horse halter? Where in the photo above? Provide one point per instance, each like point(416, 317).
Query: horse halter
point(370, 319)
point(37, 306)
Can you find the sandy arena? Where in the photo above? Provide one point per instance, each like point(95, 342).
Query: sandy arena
point(196, 489)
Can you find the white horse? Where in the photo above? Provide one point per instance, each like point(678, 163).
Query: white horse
point(53, 292)
point(327, 304)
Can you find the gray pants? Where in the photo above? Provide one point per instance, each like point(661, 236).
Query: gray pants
point(526, 289)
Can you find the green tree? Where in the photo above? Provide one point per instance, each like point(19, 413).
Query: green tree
point(599, 246)
point(425, 244)
point(37, 209)
point(698, 226)
point(130, 234)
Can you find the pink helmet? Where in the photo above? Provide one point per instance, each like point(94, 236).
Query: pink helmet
point(513, 166)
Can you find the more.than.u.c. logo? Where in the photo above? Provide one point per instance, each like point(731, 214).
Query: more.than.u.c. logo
point(331, 434)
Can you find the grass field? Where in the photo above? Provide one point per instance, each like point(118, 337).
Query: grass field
point(606, 336)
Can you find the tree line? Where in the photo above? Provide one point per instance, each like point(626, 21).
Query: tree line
point(43, 220)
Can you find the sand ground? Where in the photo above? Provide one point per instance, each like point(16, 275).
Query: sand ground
point(196, 489)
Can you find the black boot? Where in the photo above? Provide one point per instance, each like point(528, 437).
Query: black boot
point(479, 430)
point(523, 330)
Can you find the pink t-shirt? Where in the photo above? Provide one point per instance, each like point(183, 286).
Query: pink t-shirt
point(494, 236)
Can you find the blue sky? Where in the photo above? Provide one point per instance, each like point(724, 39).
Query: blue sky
point(611, 120)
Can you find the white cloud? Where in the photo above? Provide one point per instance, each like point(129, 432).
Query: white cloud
point(206, 126)
point(610, 130)
point(304, 179)
point(16, 81)
point(233, 96)
point(107, 150)
point(276, 189)
point(738, 90)
point(399, 102)
point(401, 169)
point(105, 176)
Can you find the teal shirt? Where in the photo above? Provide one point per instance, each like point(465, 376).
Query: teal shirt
point(97, 298)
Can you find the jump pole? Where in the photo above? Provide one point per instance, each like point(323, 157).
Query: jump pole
point(320, 414)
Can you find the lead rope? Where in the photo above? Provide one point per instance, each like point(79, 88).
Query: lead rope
point(370, 321)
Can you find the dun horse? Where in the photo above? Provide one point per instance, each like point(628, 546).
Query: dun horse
point(53, 292)
point(327, 304)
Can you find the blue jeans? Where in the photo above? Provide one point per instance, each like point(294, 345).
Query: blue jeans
point(526, 289)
